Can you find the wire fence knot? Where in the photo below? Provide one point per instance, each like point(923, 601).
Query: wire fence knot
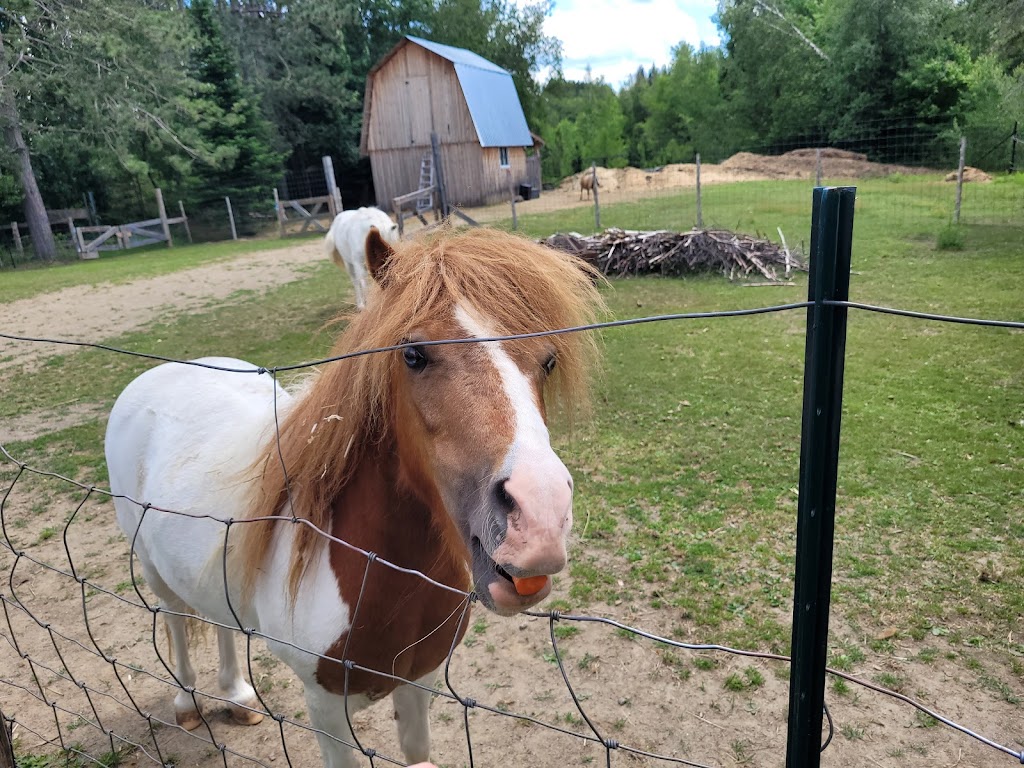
point(555, 615)
point(611, 744)
point(469, 703)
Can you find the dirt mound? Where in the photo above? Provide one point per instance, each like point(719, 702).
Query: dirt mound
point(802, 164)
point(743, 166)
point(970, 174)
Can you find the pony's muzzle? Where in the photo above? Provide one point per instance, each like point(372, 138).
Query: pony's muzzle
point(538, 506)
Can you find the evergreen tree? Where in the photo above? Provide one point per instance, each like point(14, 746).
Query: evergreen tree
point(239, 156)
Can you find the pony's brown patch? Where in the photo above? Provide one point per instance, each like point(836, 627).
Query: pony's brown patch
point(521, 287)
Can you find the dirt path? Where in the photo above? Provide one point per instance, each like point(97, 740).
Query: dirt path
point(98, 312)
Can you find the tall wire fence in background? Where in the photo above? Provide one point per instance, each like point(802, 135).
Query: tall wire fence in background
point(66, 686)
point(908, 169)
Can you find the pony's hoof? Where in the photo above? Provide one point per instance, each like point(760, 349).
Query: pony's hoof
point(244, 716)
point(189, 719)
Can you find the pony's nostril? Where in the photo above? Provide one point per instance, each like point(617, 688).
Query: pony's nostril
point(505, 499)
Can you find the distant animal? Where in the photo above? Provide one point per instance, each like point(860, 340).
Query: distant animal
point(345, 243)
point(587, 181)
point(435, 458)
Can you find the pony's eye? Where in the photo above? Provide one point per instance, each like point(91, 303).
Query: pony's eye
point(414, 358)
point(549, 364)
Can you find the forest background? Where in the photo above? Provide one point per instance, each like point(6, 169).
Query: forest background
point(208, 98)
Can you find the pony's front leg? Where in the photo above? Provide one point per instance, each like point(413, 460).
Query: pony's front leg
point(235, 688)
point(411, 707)
point(327, 714)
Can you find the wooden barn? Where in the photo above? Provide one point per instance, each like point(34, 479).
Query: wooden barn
point(420, 88)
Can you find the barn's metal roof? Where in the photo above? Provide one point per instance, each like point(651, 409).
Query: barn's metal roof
point(490, 95)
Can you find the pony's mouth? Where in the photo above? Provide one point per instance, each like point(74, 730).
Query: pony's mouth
point(495, 587)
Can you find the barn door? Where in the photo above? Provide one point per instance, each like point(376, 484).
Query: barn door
point(417, 105)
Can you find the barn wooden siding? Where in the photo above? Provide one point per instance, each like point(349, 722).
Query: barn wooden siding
point(417, 92)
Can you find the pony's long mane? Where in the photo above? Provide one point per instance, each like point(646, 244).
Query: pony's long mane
point(520, 286)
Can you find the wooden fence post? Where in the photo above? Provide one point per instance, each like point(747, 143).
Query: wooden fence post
point(332, 185)
point(6, 748)
point(817, 167)
point(163, 217)
point(960, 180)
point(700, 211)
point(1014, 141)
point(184, 220)
point(231, 218)
point(18, 245)
point(512, 197)
point(597, 204)
point(279, 212)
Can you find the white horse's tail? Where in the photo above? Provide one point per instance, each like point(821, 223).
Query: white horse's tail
point(331, 248)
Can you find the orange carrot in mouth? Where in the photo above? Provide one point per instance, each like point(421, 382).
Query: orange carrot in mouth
point(530, 585)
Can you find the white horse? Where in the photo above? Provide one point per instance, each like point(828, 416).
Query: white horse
point(435, 458)
point(345, 243)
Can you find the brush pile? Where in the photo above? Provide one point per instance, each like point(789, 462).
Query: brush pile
point(624, 252)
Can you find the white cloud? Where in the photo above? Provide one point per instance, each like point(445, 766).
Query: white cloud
point(617, 36)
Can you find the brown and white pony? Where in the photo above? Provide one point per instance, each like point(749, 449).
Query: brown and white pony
point(435, 458)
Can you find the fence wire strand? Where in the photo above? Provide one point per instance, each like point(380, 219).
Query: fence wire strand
point(173, 682)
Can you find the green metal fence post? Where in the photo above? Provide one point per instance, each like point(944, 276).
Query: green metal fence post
point(829, 279)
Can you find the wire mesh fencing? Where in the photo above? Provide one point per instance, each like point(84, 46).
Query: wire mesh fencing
point(87, 671)
point(909, 170)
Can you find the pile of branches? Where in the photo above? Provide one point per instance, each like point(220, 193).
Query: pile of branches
point(628, 252)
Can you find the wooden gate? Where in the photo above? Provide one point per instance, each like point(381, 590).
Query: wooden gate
point(309, 212)
point(118, 237)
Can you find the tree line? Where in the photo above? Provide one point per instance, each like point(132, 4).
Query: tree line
point(871, 74)
point(206, 98)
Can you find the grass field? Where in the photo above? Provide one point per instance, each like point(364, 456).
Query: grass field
point(687, 472)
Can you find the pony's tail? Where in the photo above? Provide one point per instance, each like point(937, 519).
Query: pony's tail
point(330, 249)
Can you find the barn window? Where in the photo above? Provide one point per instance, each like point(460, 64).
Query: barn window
point(503, 157)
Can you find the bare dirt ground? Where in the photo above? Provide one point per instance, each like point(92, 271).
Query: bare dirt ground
point(713, 708)
point(90, 312)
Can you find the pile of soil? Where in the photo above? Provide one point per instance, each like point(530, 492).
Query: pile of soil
point(971, 174)
point(743, 166)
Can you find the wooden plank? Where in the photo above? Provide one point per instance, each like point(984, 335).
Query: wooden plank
point(6, 748)
point(279, 212)
point(310, 200)
point(137, 230)
point(183, 220)
point(163, 217)
point(18, 245)
point(60, 215)
point(231, 218)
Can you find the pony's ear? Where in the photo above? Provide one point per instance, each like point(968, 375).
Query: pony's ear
point(378, 253)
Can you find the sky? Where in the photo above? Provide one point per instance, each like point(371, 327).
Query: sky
point(617, 36)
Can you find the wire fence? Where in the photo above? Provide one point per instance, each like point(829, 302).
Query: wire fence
point(907, 169)
point(70, 682)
